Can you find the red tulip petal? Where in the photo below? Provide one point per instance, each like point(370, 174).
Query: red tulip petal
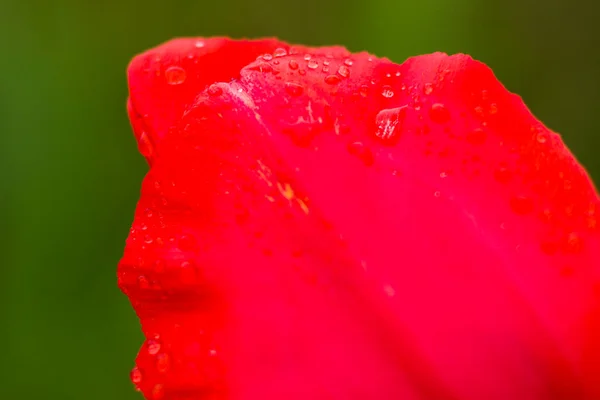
point(333, 226)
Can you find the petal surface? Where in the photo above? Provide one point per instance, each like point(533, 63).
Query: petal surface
point(326, 225)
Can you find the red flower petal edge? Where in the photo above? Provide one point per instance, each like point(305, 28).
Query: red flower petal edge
point(318, 224)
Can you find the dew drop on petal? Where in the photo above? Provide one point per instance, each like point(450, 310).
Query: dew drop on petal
point(214, 90)
point(332, 79)
point(388, 121)
point(145, 145)
point(264, 68)
point(159, 266)
point(153, 347)
point(343, 71)
point(312, 64)
point(187, 243)
point(136, 375)
point(267, 57)
point(387, 91)
point(428, 88)
point(188, 273)
point(358, 149)
point(175, 75)
point(439, 113)
point(293, 64)
point(348, 62)
point(573, 243)
point(476, 136)
point(502, 174)
point(389, 290)
point(143, 282)
point(294, 89)
point(162, 362)
point(158, 392)
point(363, 90)
point(280, 52)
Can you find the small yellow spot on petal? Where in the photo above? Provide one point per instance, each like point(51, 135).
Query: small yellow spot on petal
point(303, 206)
point(286, 190)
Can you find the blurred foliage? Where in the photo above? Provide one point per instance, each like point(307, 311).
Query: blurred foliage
point(71, 174)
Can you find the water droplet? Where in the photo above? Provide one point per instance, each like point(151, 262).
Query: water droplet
point(153, 347)
point(502, 174)
point(361, 151)
point(158, 392)
point(307, 57)
point(293, 64)
point(439, 113)
point(301, 72)
point(214, 90)
point(428, 88)
point(521, 205)
point(476, 136)
point(437, 193)
point(199, 44)
point(387, 91)
point(143, 282)
point(325, 62)
point(541, 138)
point(136, 375)
point(145, 145)
point(162, 362)
point(325, 69)
point(573, 243)
point(363, 90)
point(493, 108)
point(187, 243)
point(387, 121)
point(159, 266)
point(332, 79)
point(280, 52)
point(294, 89)
point(343, 71)
point(267, 57)
point(389, 291)
point(348, 62)
point(312, 64)
point(175, 75)
point(263, 67)
point(188, 273)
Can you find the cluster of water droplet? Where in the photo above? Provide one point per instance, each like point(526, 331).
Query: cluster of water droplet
point(436, 121)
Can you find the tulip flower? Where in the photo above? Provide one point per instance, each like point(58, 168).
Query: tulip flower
point(317, 224)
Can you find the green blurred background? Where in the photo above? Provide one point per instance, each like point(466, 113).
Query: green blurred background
point(70, 172)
